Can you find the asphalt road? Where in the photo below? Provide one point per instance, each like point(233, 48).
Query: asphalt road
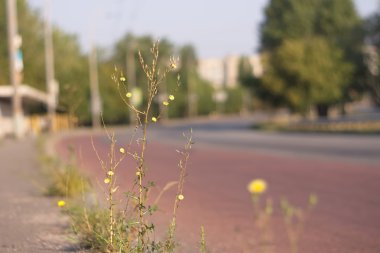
point(235, 133)
point(342, 170)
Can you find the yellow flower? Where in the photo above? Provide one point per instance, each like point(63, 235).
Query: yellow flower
point(154, 119)
point(138, 173)
point(165, 103)
point(257, 186)
point(171, 97)
point(173, 65)
point(128, 95)
point(61, 203)
point(181, 197)
point(313, 199)
point(122, 150)
point(107, 180)
point(122, 78)
point(110, 173)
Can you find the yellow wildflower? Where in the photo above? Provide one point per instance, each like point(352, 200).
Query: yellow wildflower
point(122, 78)
point(165, 103)
point(107, 180)
point(313, 199)
point(110, 173)
point(181, 197)
point(61, 203)
point(173, 65)
point(171, 97)
point(138, 173)
point(154, 119)
point(257, 186)
point(128, 95)
point(122, 150)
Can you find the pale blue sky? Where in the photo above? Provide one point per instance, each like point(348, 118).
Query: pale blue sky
point(215, 27)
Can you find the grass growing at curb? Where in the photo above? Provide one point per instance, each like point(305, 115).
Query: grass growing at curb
point(64, 178)
point(91, 226)
point(328, 127)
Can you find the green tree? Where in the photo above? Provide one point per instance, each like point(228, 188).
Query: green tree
point(234, 101)
point(70, 64)
point(372, 28)
point(205, 92)
point(71, 68)
point(334, 21)
point(113, 107)
point(287, 19)
point(305, 73)
point(133, 44)
point(338, 22)
point(245, 73)
point(31, 29)
point(198, 91)
point(4, 71)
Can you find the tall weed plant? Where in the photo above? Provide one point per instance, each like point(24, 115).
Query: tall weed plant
point(127, 227)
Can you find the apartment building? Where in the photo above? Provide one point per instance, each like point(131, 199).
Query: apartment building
point(223, 72)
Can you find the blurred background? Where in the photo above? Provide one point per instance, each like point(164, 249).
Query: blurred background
point(245, 65)
point(302, 60)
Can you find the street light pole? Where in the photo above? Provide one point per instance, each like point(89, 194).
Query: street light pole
point(131, 71)
point(49, 66)
point(94, 88)
point(14, 75)
point(96, 104)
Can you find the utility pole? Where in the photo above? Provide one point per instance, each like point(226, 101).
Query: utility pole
point(15, 77)
point(94, 87)
point(131, 71)
point(192, 96)
point(51, 84)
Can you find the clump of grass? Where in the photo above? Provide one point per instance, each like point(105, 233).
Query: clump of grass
point(91, 226)
point(203, 247)
point(365, 127)
point(64, 178)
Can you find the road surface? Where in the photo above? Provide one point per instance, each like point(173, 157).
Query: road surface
point(342, 170)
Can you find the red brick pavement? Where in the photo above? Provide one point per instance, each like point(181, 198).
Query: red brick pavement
point(346, 219)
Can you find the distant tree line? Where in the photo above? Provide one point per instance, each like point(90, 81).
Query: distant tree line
point(72, 71)
point(313, 54)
